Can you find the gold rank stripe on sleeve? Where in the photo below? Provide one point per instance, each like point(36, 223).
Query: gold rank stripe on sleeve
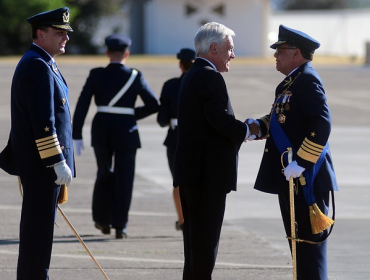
point(310, 151)
point(48, 146)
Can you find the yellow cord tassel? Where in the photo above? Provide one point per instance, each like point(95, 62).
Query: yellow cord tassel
point(63, 194)
point(319, 221)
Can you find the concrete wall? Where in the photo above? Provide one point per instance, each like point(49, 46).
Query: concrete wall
point(340, 32)
point(169, 28)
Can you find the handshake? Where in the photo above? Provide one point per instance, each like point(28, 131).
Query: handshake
point(254, 129)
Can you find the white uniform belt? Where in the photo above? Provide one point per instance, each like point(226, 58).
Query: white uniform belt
point(116, 110)
point(173, 123)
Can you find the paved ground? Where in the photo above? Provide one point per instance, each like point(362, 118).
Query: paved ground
point(253, 244)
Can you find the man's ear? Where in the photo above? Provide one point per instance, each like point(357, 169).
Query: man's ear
point(40, 34)
point(212, 48)
point(297, 52)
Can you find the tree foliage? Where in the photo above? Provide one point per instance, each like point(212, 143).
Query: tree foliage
point(84, 16)
point(86, 20)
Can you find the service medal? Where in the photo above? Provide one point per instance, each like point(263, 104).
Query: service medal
point(286, 107)
point(281, 118)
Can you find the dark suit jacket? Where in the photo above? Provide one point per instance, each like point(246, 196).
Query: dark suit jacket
point(116, 131)
point(307, 125)
point(209, 135)
point(41, 133)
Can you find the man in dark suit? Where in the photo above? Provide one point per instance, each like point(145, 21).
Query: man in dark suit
point(300, 118)
point(209, 138)
point(40, 147)
point(114, 132)
point(167, 116)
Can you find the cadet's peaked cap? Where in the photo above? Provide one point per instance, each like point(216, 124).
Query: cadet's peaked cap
point(291, 36)
point(58, 19)
point(117, 42)
point(186, 54)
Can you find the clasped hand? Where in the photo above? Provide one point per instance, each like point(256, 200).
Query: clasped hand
point(254, 129)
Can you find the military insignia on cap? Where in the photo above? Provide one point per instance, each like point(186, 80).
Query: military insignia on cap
point(66, 17)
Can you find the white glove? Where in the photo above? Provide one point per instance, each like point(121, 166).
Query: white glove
point(293, 170)
point(64, 174)
point(79, 144)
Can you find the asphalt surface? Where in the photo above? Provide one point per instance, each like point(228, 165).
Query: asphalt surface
point(253, 244)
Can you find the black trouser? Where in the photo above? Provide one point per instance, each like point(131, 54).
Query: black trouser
point(203, 209)
point(36, 227)
point(113, 188)
point(311, 259)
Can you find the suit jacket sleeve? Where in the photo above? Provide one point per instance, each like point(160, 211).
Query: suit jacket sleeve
point(214, 100)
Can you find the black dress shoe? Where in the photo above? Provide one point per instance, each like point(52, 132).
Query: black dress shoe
point(105, 229)
point(121, 233)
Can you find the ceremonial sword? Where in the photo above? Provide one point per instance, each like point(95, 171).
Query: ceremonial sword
point(292, 214)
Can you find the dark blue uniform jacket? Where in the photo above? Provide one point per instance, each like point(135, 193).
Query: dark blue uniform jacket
point(305, 118)
point(168, 109)
point(117, 131)
point(41, 133)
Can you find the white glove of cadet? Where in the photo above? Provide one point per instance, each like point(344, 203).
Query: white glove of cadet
point(79, 144)
point(64, 174)
point(293, 170)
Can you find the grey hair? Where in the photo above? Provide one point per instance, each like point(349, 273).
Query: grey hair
point(211, 32)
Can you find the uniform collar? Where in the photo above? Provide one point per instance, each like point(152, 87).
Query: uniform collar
point(51, 58)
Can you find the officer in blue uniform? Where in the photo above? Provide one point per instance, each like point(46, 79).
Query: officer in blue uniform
point(167, 116)
point(40, 146)
point(299, 118)
point(114, 132)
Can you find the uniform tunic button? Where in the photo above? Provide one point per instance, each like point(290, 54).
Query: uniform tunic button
point(266, 150)
point(62, 147)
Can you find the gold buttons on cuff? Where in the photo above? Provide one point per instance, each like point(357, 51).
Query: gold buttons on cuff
point(266, 150)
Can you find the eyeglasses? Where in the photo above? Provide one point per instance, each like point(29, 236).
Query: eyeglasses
point(286, 48)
